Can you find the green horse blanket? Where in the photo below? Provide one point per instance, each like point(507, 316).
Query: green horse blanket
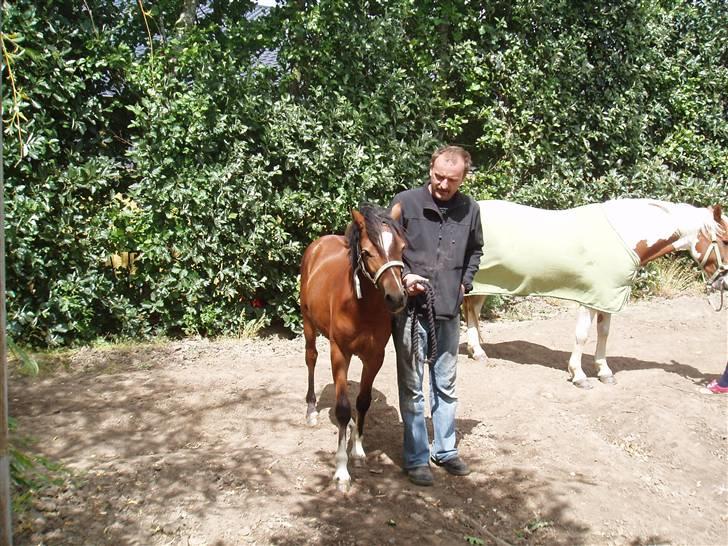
point(572, 254)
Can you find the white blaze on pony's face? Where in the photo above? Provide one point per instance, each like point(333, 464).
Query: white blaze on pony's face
point(387, 239)
point(392, 252)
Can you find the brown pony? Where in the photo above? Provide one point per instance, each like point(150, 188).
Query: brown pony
point(349, 287)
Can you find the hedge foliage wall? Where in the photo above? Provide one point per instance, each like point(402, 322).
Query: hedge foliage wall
point(161, 179)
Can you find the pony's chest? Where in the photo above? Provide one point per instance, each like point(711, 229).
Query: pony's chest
point(363, 329)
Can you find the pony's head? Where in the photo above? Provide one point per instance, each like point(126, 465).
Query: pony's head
point(376, 243)
point(711, 249)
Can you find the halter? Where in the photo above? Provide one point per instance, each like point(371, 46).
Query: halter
point(721, 269)
point(377, 275)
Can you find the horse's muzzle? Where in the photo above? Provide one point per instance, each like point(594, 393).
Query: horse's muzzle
point(395, 302)
point(721, 283)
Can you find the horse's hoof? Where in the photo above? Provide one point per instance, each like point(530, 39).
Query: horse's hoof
point(607, 379)
point(359, 462)
point(312, 419)
point(583, 384)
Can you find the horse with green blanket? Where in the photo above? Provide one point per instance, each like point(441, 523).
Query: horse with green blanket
point(591, 255)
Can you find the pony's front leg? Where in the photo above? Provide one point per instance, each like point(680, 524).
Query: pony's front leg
point(371, 365)
point(471, 307)
point(600, 356)
point(584, 319)
point(339, 369)
point(342, 479)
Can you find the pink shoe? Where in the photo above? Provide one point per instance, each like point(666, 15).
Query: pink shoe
point(715, 388)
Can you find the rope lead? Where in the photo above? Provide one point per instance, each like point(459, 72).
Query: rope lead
point(429, 310)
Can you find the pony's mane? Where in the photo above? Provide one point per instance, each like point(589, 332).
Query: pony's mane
point(693, 219)
point(375, 219)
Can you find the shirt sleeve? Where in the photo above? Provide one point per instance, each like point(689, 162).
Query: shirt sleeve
point(474, 250)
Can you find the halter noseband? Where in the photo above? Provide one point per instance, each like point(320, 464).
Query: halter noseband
point(720, 269)
point(374, 279)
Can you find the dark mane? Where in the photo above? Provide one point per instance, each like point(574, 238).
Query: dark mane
point(375, 219)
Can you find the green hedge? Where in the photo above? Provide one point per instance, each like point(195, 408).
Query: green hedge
point(170, 188)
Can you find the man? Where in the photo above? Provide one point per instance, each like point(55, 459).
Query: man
point(444, 246)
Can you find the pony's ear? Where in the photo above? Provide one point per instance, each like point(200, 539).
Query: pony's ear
point(717, 214)
point(396, 212)
point(358, 219)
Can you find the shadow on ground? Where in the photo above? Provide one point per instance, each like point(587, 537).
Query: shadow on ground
point(526, 352)
point(383, 507)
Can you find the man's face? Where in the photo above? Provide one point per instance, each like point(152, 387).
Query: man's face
point(446, 176)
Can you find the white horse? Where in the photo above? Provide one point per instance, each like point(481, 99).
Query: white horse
point(589, 255)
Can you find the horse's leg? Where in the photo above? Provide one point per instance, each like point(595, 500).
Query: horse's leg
point(584, 319)
point(472, 306)
point(600, 356)
point(309, 333)
point(371, 365)
point(339, 368)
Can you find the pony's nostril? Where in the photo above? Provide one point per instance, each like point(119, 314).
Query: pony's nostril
point(395, 301)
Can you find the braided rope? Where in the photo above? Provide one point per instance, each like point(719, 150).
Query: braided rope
point(429, 309)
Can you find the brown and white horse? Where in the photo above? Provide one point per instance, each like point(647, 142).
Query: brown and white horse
point(350, 286)
point(650, 229)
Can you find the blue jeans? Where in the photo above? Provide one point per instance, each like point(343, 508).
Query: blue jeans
point(443, 400)
point(723, 380)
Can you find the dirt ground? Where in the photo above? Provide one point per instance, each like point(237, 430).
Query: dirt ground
point(205, 443)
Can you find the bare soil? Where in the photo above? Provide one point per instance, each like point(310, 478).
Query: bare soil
point(205, 443)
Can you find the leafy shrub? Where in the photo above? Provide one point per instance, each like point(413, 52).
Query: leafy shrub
point(160, 180)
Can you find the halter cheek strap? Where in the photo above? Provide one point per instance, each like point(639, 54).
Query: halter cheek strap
point(392, 263)
point(720, 269)
point(375, 278)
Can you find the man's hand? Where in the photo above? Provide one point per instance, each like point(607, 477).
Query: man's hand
point(414, 284)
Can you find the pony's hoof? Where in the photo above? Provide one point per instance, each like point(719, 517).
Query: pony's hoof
point(343, 486)
point(312, 419)
point(479, 356)
point(583, 384)
point(607, 379)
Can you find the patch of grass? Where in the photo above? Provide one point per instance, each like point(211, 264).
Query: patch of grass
point(30, 474)
point(26, 363)
point(668, 277)
point(102, 356)
point(521, 308)
point(118, 344)
point(253, 327)
point(532, 526)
